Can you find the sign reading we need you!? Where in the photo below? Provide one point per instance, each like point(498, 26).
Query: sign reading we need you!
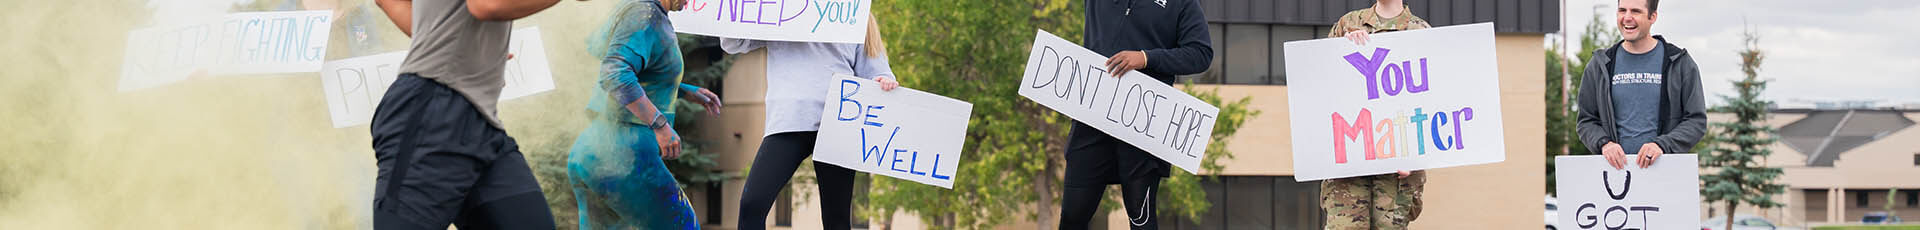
point(1134, 108)
point(837, 21)
point(904, 133)
point(1409, 100)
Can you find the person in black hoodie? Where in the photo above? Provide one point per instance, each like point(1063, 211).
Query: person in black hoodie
point(1159, 38)
point(1642, 96)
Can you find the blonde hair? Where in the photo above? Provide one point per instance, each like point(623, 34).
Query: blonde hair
point(876, 46)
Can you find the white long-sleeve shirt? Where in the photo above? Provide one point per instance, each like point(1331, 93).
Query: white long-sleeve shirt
point(799, 75)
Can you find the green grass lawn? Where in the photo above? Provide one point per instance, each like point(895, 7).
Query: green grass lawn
point(1870, 227)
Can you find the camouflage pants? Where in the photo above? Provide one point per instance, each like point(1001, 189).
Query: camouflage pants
point(1372, 202)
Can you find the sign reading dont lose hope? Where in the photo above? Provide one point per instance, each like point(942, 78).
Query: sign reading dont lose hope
point(836, 21)
point(903, 133)
point(1409, 100)
point(1594, 195)
point(1134, 108)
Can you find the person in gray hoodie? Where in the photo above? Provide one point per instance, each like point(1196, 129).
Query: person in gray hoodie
point(1642, 96)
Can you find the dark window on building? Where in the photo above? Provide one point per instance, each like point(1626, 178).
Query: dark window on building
point(1252, 53)
point(1913, 199)
point(861, 183)
point(1254, 202)
point(783, 209)
point(1916, 159)
point(1860, 198)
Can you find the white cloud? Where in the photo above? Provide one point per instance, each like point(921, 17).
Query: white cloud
point(1816, 50)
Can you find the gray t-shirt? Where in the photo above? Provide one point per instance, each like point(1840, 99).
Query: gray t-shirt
point(455, 49)
point(1636, 97)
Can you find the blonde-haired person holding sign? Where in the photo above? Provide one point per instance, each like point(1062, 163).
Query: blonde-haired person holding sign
point(798, 73)
point(1388, 201)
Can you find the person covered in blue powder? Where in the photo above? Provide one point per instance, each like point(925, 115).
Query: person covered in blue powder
point(615, 166)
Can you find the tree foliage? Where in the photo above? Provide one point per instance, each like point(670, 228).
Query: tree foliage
point(1740, 176)
point(974, 51)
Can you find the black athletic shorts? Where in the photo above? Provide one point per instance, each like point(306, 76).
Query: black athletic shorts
point(442, 163)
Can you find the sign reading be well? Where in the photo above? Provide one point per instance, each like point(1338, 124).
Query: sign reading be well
point(1593, 195)
point(1135, 108)
point(1410, 100)
point(354, 86)
point(904, 133)
point(838, 21)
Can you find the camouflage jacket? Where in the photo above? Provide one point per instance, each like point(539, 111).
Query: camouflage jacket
point(1365, 19)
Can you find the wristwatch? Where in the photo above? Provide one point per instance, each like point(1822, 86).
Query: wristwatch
point(659, 121)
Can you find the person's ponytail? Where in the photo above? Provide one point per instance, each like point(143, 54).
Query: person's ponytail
point(876, 46)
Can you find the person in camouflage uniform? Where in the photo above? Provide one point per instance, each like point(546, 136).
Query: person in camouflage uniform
point(1387, 201)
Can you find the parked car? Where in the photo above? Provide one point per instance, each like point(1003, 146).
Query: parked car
point(1740, 222)
point(1553, 213)
point(1879, 218)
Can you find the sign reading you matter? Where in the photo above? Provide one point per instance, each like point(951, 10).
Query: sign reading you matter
point(1593, 195)
point(240, 43)
point(1135, 108)
point(838, 21)
point(353, 86)
point(1410, 100)
point(904, 133)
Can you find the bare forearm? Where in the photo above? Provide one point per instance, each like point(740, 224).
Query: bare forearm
point(500, 10)
point(643, 108)
point(401, 12)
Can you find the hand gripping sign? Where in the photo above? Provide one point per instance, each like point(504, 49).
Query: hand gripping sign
point(1135, 108)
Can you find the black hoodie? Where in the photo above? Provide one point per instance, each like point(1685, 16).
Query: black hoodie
point(1173, 33)
point(1683, 113)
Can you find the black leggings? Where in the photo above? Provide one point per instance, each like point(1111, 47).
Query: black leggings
point(781, 154)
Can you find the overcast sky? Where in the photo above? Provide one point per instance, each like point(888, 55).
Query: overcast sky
point(1818, 50)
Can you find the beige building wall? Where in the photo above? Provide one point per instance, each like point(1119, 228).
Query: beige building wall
point(1878, 166)
point(1503, 195)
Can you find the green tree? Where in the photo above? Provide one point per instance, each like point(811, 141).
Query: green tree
point(974, 51)
point(1564, 90)
point(1740, 176)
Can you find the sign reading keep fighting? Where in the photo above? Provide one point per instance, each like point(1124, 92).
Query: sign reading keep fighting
point(904, 133)
point(1408, 100)
point(1135, 108)
point(240, 43)
point(837, 21)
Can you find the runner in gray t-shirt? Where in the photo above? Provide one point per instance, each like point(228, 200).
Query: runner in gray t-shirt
point(443, 156)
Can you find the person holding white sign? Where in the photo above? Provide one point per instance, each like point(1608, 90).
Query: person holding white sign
point(1642, 96)
point(1159, 38)
point(616, 166)
point(797, 74)
point(443, 156)
point(1377, 201)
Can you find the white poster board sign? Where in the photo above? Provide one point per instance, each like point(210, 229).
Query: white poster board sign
point(1593, 195)
point(1411, 100)
point(904, 133)
point(241, 43)
point(1134, 108)
point(837, 21)
point(354, 86)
